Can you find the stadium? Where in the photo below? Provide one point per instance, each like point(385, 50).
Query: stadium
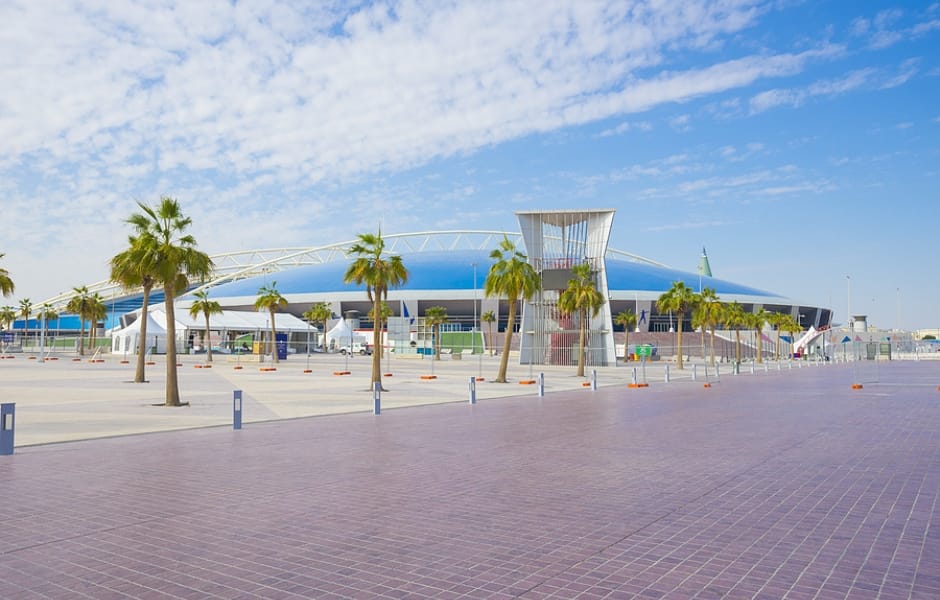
point(448, 269)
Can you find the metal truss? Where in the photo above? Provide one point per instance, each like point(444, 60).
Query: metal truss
point(242, 264)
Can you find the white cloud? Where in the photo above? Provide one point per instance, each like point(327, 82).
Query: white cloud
point(249, 88)
point(868, 78)
point(626, 127)
point(681, 122)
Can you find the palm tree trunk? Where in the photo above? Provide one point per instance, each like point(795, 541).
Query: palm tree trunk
point(81, 335)
point(172, 378)
point(504, 357)
point(679, 340)
point(208, 342)
point(581, 337)
point(139, 373)
point(760, 350)
point(626, 344)
point(712, 345)
point(376, 341)
point(273, 339)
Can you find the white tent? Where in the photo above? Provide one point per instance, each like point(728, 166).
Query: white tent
point(229, 321)
point(126, 340)
point(342, 334)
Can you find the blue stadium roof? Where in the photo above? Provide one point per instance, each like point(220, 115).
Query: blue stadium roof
point(454, 270)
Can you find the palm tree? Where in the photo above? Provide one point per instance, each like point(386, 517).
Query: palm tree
point(757, 321)
point(96, 311)
point(711, 308)
point(679, 299)
point(79, 304)
point(26, 308)
point(271, 300)
point(513, 277)
point(45, 314)
point(202, 305)
point(627, 320)
point(176, 262)
point(320, 313)
point(379, 273)
point(7, 316)
point(581, 297)
point(735, 318)
point(385, 311)
point(489, 318)
point(435, 316)
point(6, 284)
point(776, 320)
point(792, 326)
point(135, 268)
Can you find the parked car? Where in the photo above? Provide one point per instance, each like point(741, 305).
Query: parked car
point(356, 349)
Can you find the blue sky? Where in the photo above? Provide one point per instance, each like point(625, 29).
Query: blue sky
point(799, 142)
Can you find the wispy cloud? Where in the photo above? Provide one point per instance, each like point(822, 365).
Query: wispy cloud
point(867, 78)
point(690, 225)
point(888, 28)
point(627, 127)
point(302, 96)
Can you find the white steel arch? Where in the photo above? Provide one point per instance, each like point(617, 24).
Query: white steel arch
point(241, 264)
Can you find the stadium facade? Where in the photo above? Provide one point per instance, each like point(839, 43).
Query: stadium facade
point(448, 268)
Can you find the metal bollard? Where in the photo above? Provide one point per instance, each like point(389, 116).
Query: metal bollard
point(766, 368)
point(376, 398)
point(666, 380)
point(799, 364)
point(717, 375)
point(541, 384)
point(593, 379)
point(473, 390)
point(634, 376)
point(7, 427)
point(752, 368)
point(237, 409)
point(694, 372)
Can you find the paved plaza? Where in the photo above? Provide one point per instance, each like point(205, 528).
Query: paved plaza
point(778, 484)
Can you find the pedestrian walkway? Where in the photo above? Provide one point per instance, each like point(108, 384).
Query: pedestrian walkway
point(784, 485)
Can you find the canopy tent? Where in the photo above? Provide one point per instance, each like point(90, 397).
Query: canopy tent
point(342, 335)
point(235, 320)
point(228, 322)
point(126, 340)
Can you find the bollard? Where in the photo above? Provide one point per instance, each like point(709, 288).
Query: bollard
point(634, 376)
point(666, 379)
point(737, 368)
point(541, 384)
point(694, 372)
point(766, 368)
point(376, 398)
point(7, 427)
point(752, 368)
point(593, 379)
point(717, 375)
point(473, 390)
point(237, 409)
point(799, 364)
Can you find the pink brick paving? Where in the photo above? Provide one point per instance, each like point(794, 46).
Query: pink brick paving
point(779, 486)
